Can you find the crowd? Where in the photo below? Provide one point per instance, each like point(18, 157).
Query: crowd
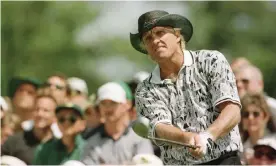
point(58, 122)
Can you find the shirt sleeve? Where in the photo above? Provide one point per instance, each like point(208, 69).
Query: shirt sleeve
point(148, 105)
point(223, 83)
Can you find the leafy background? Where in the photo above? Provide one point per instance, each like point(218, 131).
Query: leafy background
point(90, 40)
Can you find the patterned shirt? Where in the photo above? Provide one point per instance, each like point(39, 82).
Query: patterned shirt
point(204, 81)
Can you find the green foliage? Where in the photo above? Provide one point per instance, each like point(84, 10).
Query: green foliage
point(38, 38)
point(238, 29)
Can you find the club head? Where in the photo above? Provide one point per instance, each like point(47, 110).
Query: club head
point(141, 126)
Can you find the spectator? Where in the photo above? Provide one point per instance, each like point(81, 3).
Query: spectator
point(239, 62)
point(23, 144)
point(255, 116)
point(118, 143)
point(69, 147)
point(250, 80)
point(57, 86)
point(264, 152)
point(23, 94)
point(93, 121)
point(78, 91)
point(10, 124)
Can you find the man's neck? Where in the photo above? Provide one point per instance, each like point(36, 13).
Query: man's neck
point(43, 134)
point(170, 68)
point(69, 142)
point(115, 130)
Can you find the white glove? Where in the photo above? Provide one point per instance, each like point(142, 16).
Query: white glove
point(204, 136)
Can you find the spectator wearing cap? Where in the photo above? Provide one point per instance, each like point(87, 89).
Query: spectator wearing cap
point(57, 85)
point(78, 91)
point(117, 143)
point(264, 152)
point(23, 94)
point(22, 145)
point(70, 146)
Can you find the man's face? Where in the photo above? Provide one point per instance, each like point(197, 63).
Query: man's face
point(253, 118)
point(24, 96)
point(112, 111)
point(69, 122)
point(57, 87)
point(264, 155)
point(161, 43)
point(247, 83)
point(44, 114)
point(92, 117)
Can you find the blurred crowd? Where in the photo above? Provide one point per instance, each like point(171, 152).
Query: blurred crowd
point(58, 122)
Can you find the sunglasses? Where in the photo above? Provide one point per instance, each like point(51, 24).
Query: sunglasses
point(59, 87)
point(246, 114)
point(71, 119)
point(270, 155)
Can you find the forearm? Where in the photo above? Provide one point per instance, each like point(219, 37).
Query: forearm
point(171, 132)
point(226, 121)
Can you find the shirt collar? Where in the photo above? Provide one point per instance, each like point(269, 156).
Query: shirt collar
point(155, 75)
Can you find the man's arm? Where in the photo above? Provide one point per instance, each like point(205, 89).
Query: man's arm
point(228, 118)
point(173, 133)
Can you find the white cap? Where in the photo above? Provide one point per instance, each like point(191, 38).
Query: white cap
point(147, 159)
point(73, 162)
point(78, 84)
point(140, 76)
point(4, 104)
point(267, 141)
point(111, 91)
point(12, 161)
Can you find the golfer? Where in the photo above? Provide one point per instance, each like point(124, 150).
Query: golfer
point(190, 96)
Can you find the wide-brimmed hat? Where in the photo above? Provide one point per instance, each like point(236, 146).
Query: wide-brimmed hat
point(151, 19)
point(15, 82)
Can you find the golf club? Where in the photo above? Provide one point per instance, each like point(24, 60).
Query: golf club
point(141, 128)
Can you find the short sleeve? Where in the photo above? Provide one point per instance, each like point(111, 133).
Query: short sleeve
point(222, 80)
point(149, 106)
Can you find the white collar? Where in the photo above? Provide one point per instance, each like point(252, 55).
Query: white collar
point(155, 75)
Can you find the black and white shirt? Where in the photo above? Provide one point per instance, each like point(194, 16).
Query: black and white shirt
point(204, 81)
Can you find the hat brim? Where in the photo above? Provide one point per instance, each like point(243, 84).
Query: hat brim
point(16, 82)
point(171, 20)
point(75, 109)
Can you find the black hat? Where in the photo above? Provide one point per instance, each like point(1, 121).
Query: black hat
point(15, 82)
point(151, 19)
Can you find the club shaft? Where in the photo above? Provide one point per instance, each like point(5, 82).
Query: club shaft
point(173, 142)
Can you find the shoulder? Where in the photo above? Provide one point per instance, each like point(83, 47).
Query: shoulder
point(207, 55)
